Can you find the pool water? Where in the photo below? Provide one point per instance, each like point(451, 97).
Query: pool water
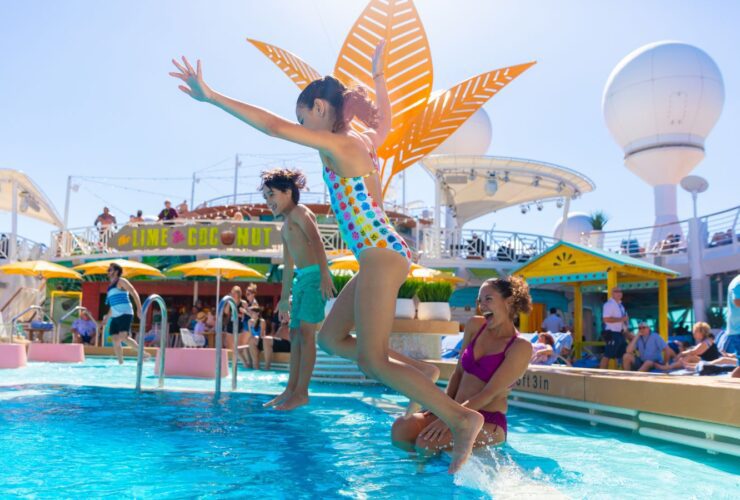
point(74, 439)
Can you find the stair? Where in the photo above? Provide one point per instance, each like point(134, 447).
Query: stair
point(338, 370)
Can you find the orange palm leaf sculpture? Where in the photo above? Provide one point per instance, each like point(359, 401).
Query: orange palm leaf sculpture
point(420, 122)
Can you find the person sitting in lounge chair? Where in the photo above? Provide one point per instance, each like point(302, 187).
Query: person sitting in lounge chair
point(543, 350)
point(646, 350)
point(704, 350)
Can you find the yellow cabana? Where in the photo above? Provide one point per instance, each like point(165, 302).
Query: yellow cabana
point(577, 266)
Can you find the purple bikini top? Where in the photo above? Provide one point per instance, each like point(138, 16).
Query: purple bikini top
point(486, 366)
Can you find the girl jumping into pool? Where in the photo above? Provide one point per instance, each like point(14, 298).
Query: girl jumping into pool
point(121, 310)
point(493, 358)
point(324, 111)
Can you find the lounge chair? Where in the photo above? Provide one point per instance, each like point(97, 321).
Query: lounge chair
point(189, 340)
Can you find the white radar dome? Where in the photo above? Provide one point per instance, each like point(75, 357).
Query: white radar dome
point(577, 228)
point(660, 103)
point(472, 138)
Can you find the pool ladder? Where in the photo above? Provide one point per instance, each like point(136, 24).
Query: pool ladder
point(164, 340)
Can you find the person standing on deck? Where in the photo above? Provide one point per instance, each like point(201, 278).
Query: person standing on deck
point(615, 322)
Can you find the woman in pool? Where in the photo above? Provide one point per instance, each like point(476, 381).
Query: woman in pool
point(493, 358)
point(324, 111)
point(121, 310)
point(242, 317)
point(257, 330)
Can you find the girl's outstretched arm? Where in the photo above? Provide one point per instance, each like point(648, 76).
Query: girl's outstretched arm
point(259, 118)
point(382, 101)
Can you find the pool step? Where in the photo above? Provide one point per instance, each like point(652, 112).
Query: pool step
point(338, 370)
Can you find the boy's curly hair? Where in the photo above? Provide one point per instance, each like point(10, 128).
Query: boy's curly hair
point(284, 179)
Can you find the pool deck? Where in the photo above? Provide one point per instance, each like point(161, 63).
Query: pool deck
point(709, 399)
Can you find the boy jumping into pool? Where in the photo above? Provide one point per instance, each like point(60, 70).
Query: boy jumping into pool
point(312, 286)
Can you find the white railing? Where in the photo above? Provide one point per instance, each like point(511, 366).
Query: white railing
point(25, 249)
point(717, 229)
point(501, 246)
point(721, 228)
point(636, 242)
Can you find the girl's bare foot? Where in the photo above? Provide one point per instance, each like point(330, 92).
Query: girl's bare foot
point(431, 371)
point(277, 399)
point(293, 402)
point(464, 432)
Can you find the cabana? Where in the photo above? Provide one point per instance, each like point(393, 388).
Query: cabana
point(583, 268)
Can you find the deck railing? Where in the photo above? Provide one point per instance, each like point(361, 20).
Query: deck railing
point(717, 229)
point(501, 246)
point(26, 249)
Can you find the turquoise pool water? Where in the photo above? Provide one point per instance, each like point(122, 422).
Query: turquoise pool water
point(70, 438)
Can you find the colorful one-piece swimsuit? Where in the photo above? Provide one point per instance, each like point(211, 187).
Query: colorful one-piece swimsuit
point(361, 221)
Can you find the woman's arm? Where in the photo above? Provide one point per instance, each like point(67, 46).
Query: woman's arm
point(382, 101)
point(261, 119)
point(514, 365)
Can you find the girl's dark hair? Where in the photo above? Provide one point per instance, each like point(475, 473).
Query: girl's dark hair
point(118, 269)
point(348, 103)
point(284, 180)
point(516, 287)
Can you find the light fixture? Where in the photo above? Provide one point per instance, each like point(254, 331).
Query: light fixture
point(506, 177)
point(539, 205)
point(472, 175)
point(561, 186)
point(576, 194)
point(491, 185)
point(536, 181)
point(559, 203)
point(524, 208)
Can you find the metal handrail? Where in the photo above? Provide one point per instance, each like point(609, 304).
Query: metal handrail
point(227, 299)
point(164, 337)
point(81, 309)
point(30, 308)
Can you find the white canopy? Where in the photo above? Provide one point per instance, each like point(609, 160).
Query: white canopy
point(31, 200)
point(478, 185)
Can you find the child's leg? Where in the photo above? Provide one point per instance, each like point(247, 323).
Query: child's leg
point(295, 362)
point(307, 360)
point(381, 274)
point(254, 353)
point(267, 349)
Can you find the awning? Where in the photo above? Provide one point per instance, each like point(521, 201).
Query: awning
point(31, 200)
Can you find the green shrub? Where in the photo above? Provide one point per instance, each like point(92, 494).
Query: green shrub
point(408, 289)
point(436, 291)
point(598, 220)
point(340, 281)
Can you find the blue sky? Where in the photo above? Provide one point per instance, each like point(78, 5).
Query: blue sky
point(84, 91)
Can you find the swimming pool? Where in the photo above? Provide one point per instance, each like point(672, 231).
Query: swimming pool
point(62, 439)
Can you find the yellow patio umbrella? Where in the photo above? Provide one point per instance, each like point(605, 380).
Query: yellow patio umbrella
point(217, 268)
point(130, 268)
point(349, 263)
point(40, 269)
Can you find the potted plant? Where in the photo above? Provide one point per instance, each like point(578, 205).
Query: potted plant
point(434, 300)
point(598, 220)
point(340, 281)
point(405, 307)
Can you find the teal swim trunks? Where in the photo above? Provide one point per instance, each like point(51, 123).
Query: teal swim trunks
point(308, 304)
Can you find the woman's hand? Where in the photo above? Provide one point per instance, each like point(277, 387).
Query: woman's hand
point(379, 58)
point(328, 290)
point(435, 431)
point(195, 86)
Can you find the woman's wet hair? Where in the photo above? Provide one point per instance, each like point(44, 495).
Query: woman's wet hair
point(284, 180)
point(117, 269)
point(348, 103)
point(516, 287)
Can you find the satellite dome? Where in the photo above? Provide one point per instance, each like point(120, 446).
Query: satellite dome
point(660, 103)
point(577, 224)
point(472, 138)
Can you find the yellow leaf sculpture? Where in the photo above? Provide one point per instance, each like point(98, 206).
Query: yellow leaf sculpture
point(420, 122)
